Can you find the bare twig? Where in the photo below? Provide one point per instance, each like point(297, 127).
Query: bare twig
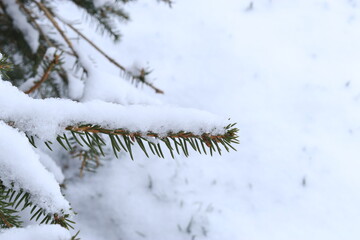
point(83, 164)
point(38, 27)
point(5, 67)
point(45, 75)
point(110, 59)
point(51, 18)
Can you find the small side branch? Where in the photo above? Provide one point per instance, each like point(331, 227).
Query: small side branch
point(140, 78)
point(89, 159)
point(5, 67)
point(5, 221)
point(11, 200)
point(46, 74)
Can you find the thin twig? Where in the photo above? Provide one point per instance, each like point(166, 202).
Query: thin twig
point(94, 45)
point(3, 218)
point(46, 74)
point(110, 59)
point(5, 66)
point(83, 164)
point(33, 20)
point(49, 15)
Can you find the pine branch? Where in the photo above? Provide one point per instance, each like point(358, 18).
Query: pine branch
point(90, 136)
point(212, 138)
point(75, 236)
point(8, 216)
point(4, 220)
point(104, 15)
point(29, 63)
point(90, 159)
point(140, 78)
point(46, 74)
point(11, 200)
point(16, 47)
point(5, 65)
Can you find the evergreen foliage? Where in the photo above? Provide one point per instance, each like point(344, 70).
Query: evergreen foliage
point(45, 66)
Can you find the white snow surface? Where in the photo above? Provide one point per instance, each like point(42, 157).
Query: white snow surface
point(287, 72)
point(111, 88)
point(20, 21)
point(41, 232)
point(76, 87)
point(24, 170)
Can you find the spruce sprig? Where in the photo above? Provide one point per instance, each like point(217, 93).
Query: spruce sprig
point(12, 201)
point(123, 140)
point(8, 216)
point(5, 66)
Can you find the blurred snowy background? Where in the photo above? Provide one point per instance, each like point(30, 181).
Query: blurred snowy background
point(289, 73)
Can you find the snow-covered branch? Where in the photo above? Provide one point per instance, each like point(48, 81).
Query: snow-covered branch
point(26, 178)
point(50, 118)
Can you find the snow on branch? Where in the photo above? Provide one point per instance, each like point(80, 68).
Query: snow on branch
point(50, 119)
point(53, 18)
point(26, 181)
